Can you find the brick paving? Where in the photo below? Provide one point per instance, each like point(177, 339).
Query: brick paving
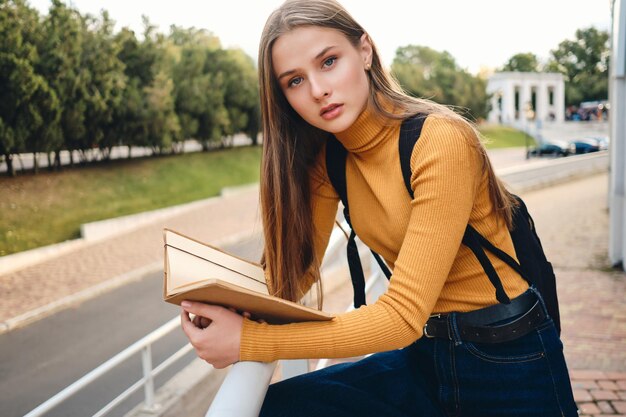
point(572, 220)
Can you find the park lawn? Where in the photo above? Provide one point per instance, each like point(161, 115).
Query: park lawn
point(38, 210)
point(504, 137)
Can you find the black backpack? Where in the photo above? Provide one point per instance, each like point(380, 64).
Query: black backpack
point(533, 265)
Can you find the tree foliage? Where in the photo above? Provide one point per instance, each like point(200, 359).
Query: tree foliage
point(584, 63)
point(522, 62)
point(427, 73)
point(70, 82)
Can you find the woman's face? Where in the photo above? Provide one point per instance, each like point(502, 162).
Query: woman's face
point(323, 75)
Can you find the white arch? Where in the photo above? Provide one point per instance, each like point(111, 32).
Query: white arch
point(503, 87)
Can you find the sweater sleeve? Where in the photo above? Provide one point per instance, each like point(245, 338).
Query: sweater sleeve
point(446, 171)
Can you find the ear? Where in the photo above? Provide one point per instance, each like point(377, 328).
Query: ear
point(366, 50)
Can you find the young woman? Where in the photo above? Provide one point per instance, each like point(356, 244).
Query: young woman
point(320, 75)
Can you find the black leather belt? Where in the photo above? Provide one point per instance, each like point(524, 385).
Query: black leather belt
point(481, 326)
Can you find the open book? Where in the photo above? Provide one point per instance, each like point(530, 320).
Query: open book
point(196, 271)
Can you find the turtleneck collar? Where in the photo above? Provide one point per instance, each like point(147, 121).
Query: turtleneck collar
point(368, 131)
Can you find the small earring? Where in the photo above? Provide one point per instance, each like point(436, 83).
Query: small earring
point(367, 67)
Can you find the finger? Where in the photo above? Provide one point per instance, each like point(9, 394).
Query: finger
point(188, 327)
point(204, 322)
point(201, 309)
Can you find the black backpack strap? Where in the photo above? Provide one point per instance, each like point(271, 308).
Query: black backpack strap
point(410, 132)
point(472, 239)
point(336, 168)
point(336, 155)
point(381, 264)
point(504, 257)
point(356, 272)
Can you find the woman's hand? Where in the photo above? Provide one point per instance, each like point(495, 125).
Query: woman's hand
point(215, 332)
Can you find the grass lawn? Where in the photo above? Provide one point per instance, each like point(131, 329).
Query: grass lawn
point(38, 210)
point(503, 137)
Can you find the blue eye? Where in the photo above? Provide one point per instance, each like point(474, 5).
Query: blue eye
point(330, 61)
point(294, 81)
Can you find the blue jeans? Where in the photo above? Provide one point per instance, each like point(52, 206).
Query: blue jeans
point(437, 377)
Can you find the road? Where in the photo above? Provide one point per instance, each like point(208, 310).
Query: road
point(40, 360)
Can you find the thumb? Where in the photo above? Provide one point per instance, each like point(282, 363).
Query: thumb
point(201, 309)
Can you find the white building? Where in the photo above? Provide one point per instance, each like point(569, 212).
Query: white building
point(519, 98)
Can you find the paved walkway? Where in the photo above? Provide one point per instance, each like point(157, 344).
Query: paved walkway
point(571, 218)
point(572, 221)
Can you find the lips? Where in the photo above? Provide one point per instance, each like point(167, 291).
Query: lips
point(331, 111)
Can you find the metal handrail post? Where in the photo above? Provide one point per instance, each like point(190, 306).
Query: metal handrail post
point(148, 386)
point(104, 368)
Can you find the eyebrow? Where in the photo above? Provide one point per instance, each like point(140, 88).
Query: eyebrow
point(322, 52)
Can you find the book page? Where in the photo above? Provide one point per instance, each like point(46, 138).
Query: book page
point(188, 271)
point(190, 262)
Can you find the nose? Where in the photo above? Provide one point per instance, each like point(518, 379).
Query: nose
point(319, 88)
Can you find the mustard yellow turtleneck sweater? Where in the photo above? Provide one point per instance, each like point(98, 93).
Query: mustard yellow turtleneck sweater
point(420, 239)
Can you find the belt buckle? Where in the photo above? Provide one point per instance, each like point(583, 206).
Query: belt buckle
point(425, 331)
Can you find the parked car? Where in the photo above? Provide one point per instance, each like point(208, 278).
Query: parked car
point(553, 148)
point(603, 141)
point(586, 145)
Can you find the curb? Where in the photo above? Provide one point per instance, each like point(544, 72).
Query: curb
point(543, 174)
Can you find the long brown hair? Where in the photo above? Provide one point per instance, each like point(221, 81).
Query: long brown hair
point(290, 146)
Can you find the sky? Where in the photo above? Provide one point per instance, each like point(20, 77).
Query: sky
point(479, 34)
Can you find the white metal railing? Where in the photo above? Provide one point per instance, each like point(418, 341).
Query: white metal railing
point(251, 379)
point(144, 346)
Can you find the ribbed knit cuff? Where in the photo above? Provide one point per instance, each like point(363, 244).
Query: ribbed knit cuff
point(253, 346)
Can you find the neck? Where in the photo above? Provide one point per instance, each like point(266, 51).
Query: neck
point(368, 131)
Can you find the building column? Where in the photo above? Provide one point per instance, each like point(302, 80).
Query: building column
point(542, 102)
point(617, 118)
point(508, 102)
point(559, 101)
point(495, 115)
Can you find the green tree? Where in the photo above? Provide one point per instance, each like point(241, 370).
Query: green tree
point(130, 118)
point(60, 64)
point(163, 127)
point(105, 83)
point(29, 109)
point(584, 63)
point(241, 98)
point(522, 62)
point(149, 91)
point(199, 88)
point(427, 73)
